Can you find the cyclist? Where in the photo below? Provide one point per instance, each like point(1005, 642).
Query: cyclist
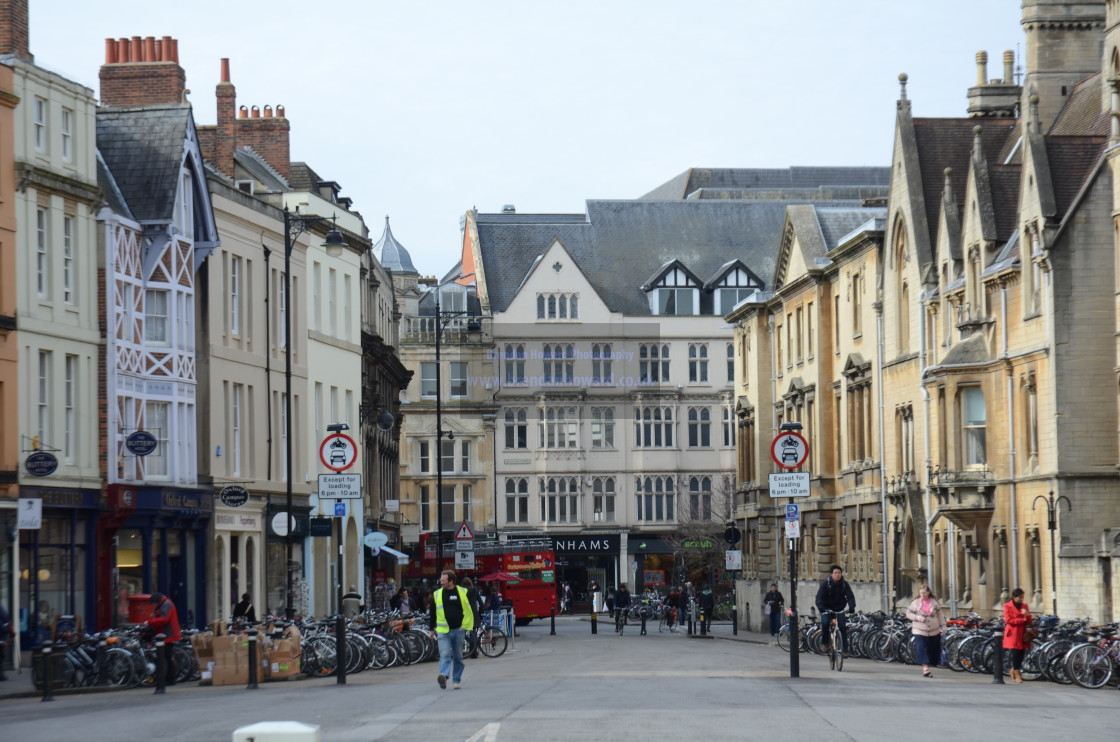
point(835, 594)
point(621, 601)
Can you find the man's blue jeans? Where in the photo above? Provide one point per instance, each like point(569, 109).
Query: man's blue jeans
point(842, 624)
point(451, 654)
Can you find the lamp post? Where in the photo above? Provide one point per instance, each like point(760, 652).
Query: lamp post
point(294, 226)
point(1052, 525)
point(441, 318)
point(896, 528)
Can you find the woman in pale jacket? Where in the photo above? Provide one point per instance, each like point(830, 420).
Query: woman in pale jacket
point(926, 624)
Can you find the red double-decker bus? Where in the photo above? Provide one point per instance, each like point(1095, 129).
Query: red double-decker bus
point(533, 593)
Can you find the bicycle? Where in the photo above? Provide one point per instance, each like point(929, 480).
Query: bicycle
point(490, 640)
point(668, 620)
point(620, 619)
point(835, 642)
point(1091, 665)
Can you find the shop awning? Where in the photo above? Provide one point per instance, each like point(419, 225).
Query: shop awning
point(402, 558)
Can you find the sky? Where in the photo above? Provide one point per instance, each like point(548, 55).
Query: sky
point(424, 109)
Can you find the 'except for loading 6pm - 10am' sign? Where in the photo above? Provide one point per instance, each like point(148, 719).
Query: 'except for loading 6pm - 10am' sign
point(789, 484)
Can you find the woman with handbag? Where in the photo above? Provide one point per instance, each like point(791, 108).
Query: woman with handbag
point(1016, 619)
point(926, 624)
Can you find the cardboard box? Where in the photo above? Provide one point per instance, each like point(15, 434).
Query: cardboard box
point(231, 659)
point(229, 643)
point(218, 628)
point(283, 665)
point(223, 675)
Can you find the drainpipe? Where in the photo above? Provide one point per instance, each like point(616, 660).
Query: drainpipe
point(1013, 578)
point(927, 500)
point(774, 361)
point(882, 456)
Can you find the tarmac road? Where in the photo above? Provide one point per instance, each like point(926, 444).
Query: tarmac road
point(576, 686)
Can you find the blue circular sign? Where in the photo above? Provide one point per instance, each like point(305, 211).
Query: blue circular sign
point(41, 463)
point(141, 443)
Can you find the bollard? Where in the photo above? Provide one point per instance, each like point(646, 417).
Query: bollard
point(552, 620)
point(102, 656)
point(594, 623)
point(161, 664)
point(997, 660)
point(45, 658)
point(254, 664)
point(703, 623)
point(340, 651)
point(643, 623)
point(735, 620)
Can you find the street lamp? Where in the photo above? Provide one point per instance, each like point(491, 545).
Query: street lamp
point(441, 318)
point(1052, 525)
point(294, 226)
point(794, 621)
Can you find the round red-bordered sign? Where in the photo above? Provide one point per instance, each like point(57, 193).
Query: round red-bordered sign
point(789, 450)
point(338, 452)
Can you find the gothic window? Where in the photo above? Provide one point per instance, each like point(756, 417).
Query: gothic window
point(698, 362)
point(653, 363)
point(559, 499)
point(602, 364)
point(602, 427)
point(514, 357)
point(517, 500)
point(655, 498)
point(517, 428)
point(653, 427)
point(699, 427)
point(700, 498)
point(603, 494)
point(558, 427)
point(974, 423)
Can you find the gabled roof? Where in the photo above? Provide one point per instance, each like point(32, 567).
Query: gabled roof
point(143, 148)
point(1071, 161)
point(108, 185)
point(675, 263)
point(258, 167)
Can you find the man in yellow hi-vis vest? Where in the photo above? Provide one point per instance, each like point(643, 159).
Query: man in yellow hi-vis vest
point(451, 613)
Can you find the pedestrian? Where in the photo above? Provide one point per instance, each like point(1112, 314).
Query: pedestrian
point(7, 631)
point(567, 598)
point(596, 596)
point(707, 606)
point(686, 601)
point(926, 624)
point(352, 602)
point(451, 614)
point(772, 607)
point(404, 602)
point(245, 609)
point(1016, 618)
point(674, 601)
point(165, 620)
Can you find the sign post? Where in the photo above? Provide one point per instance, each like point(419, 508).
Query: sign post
point(789, 451)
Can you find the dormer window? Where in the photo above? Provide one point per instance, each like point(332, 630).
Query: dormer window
point(453, 298)
point(676, 301)
point(732, 284)
point(673, 290)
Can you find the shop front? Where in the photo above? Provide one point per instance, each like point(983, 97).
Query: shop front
point(277, 566)
point(56, 568)
point(653, 563)
point(584, 558)
point(154, 540)
point(238, 557)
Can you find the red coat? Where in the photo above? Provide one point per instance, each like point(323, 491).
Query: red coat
point(165, 620)
point(1015, 619)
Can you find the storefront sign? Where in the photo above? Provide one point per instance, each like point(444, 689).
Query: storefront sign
point(322, 527)
point(699, 544)
point(607, 543)
point(237, 521)
point(61, 497)
point(30, 513)
point(141, 443)
point(234, 496)
point(41, 463)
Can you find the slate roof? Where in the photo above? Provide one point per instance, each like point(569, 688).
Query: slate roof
point(838, 222)
point(760, 179)
point(1005, 181)
point(391, 254)
point(303, 178)
point(1082, 112)
point(618, 244)
point(258, 167)
point(108, 185)
point(1071, 161)
point(143, 149)
point(946, 143)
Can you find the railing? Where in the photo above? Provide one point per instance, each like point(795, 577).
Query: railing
point(949, 477)
point(455, 329)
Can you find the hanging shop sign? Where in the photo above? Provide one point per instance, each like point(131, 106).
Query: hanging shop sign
point(234, 496)
point(141, 443)
point(41, 463)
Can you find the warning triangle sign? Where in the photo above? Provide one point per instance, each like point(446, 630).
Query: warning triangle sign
point(464, 531)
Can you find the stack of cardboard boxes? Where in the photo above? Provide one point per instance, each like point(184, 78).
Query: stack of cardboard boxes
point(224, 659)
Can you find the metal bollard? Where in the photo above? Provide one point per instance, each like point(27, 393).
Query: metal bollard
point(643, 623)
point(594, 623)
point(703, 623)
point(254, 664)
point(45, 658)
point(340, 651)
point(735, 620)
point(161, 664)
point(688, 615)
point(102, 656)
point(552, 619)
point(997, 660)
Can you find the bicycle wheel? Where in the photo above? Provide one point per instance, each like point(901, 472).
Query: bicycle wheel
point(663, 622)
point(1089, 666)
point(492, 641)
point(837, 641)
point(783, 637)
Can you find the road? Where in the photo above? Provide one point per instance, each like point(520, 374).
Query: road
point(576, 686)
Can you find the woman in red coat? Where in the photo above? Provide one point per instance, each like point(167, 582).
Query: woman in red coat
point(1016, 618)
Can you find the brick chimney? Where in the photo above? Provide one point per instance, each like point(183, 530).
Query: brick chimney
point(142, 72)
point(225, 134)
point(14, 34)
point(267, 135)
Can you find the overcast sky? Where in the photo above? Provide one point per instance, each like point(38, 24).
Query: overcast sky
point(422, 109)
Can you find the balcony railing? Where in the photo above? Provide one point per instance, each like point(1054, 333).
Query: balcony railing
point(455, 329)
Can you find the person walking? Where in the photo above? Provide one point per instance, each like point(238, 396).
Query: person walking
point(245, 609)
point(452, 613)
point(833, 595)
point(1016, 618)
point(773, 602)
point(7, 631)
point(165, 620)
point(567, 598)
point(707, 607)
point(927, 623)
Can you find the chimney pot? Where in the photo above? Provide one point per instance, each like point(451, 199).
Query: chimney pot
point(165, 49)
point(280, 112)
point(150, 49)
point(110, 51)
point(981, 68)
point(1009, 67)
point(268, 112)
point(243, 112)
point(174, 51)
point(255, 112)
point(225, 69)
point(135, 50)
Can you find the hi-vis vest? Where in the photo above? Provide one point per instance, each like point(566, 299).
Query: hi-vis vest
point(441, 619)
